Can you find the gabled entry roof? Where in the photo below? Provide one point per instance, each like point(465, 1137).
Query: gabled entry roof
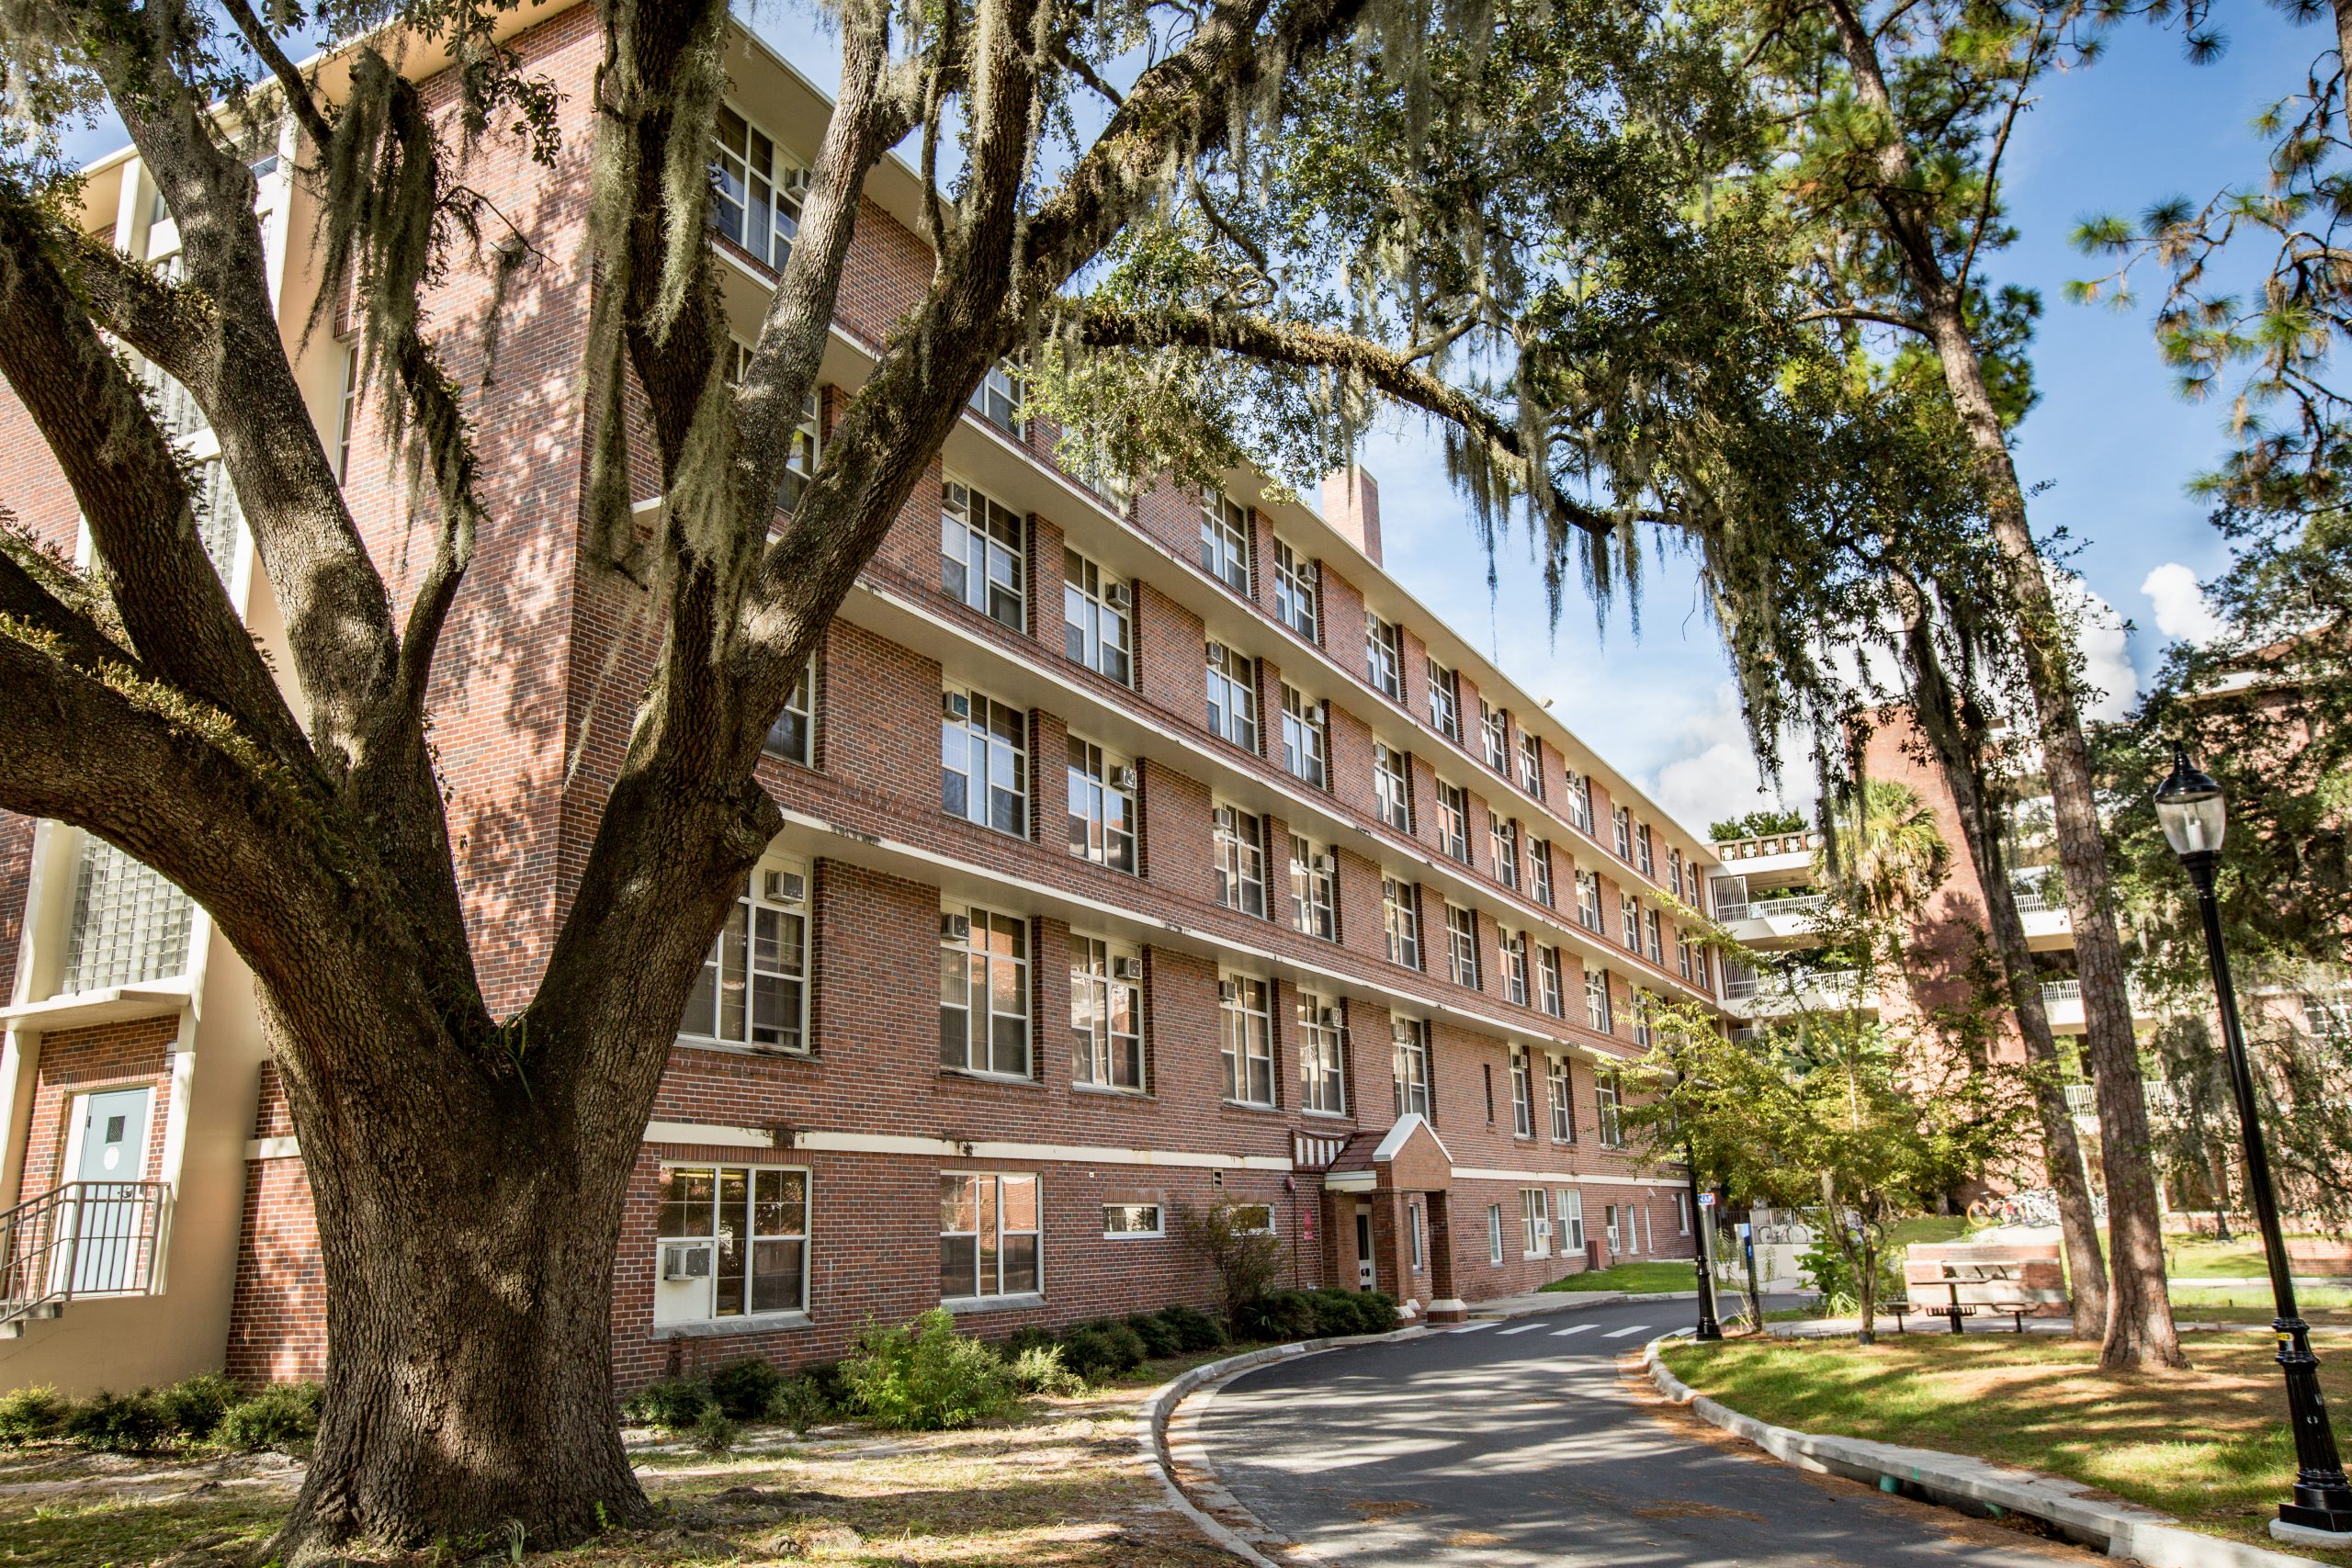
point(1408, 1157)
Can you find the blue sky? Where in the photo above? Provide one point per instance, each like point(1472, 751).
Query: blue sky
point(2111, 443)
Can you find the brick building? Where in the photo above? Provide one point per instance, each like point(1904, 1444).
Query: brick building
point(1325, 917)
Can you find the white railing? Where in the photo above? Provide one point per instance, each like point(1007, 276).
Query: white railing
point(1790, 982)
point(130, 925)
point(2082, 1099)
point(2061, 991)
point(1765, 844)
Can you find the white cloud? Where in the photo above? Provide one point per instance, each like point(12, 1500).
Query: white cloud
point(1713, 773)
point(2112, 683)
point(2182, 613)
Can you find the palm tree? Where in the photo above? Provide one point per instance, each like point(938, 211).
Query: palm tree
point(1891, 856)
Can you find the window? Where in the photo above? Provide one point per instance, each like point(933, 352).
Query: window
point(1252, 1219)
point(733, 1241)
point(1531, 764)
point(128, 924)
point(1535, 1223)
point(1400, 917)
point(1413, 1229)
point(1225, 541)
point(1523, 1095)
point(984, 992)
point(1314, 889)
point(1596, 1000)
point(1621, 827)
point(1105, 1015)
point(1629, 1216)
point(1502, 837)
point(1305, 743)
point(1493, 1233)
point(1682, 956)
point(1580, 793)
point(997, 397)
point(1674, 870)
point(1246, 1040)
point(346, 418)
point(800, 453)
point(1233, 696)
point(1642, 1019)
point(1539, 873)
point(1547, 981)
point(1445, 701)
point(1609, 1225)
point(1629, 913)
point(1322, 1054)
point(1392, 773)
point(1682, 1214)
point(1125, 1221)
point(752, 991)
point(1462, 946)
point(1644, 856)
point(1408, 1064)
point(1605, 1095)
point(987, 1236)
point(984, 762)
point(1454, 821)
point(1298, 592)
point(979, 550)
point(755, 190)
point(1494, 728)
point(793, 734)
point(1384, 653)
point(1698, 966)
point(1512, 945)
point(1563, 1097)
point(1238, 845)
point(1097, 611)
point(1588, 900)
point(1570, 1203)
point(1102, 806)
point(1651, 943)
point(1486, 1073)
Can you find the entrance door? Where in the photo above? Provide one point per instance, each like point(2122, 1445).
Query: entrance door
point(1363, 1249)
point(105, 1221)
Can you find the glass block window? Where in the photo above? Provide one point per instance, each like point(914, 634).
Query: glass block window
point(130, 926)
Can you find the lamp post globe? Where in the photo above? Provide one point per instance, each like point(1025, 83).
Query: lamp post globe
point(2190, 809)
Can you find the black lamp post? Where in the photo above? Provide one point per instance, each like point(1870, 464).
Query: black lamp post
point(2188, 804)
point(1708, 1327)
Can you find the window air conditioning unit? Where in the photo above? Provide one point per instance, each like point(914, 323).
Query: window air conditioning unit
point(956, 927)
point(1327, 862)
point(1330, 1018)
point(786, 887)
point(1314, 713)
point(1227, 991)
point(1124, 776)
point(1126, 968)
point(1217, 653)
point(1224, 817)
point(685, 1261)
point(955, 704)
point(1118, 595)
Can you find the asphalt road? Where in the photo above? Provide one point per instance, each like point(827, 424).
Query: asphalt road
point(1522, 1444)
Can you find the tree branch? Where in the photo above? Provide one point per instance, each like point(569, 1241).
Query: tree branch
point(298, 100)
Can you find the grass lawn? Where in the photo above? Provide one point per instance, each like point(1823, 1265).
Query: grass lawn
point(1055, 1486)
point(2240, 1259)
point(1928, 1227)
point(1635, 1277)
point(2208, 1445)
point(2251, 1304)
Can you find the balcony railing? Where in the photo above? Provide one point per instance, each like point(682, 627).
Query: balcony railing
point(85, 1238)
point(2082, 1099)
point(1742, 988)
point(2061, 991)
point(1765, 844)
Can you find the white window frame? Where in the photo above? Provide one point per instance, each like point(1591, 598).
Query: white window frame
point(1580, 801)
point(1231, 682)
point(1607, 1101)
point(1645, 851)
point(1569, 1203)
point(1384, 653)
point(1454, 821)
point(1494, 732)
point(1413, 1228)
point(775, 898)
point(1539, 871)
point(779, 186)
point(1237, 1210)
point(1237, 842)
point(1103, 975)
point(1531, 763)
point(1392, 786)
point(798, 717)
point(1597, 1011)
point(1629, 912)
point(1445, 700)
point(1511, 946)
point(1550, 994)
point(1097, 613)
point(1314, 889)
point(983, 963)
point(997, 400)
point(1588, 900)
point(1495, 1234)
point(1000, 732)
point(668, 1301)
point(1652, 941)
point(984, 554)
point(1322, 1054)
point(1225, 541)
point(1159, 1212)
point(1400, 919)
point(1535, 1224)
point(1246, 1040)
point(1306, 747)
point(1408, 1065)
point(1621, 831)
point(989, 1217)
point(1298, 590)
point(1102, 806)
point(1461, 944)
point(1522, 1094)
point(348, 410)
point(1502, 842)
point(1560, 1093)
point(1682, 1214)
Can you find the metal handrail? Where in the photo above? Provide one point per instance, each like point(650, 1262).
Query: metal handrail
point(85, 1238)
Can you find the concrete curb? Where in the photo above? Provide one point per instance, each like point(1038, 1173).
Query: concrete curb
point(1159, 1458)
point(1977, 1486)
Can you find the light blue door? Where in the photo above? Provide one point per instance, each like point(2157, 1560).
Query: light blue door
point(106, 1217)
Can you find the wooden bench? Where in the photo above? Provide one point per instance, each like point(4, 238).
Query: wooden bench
point(1954, 1276)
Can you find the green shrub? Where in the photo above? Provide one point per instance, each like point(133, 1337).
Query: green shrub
point(715, 1432)
point(192, 1407)
point(1158, 1336)
point(1195, 1330)
point(282, 1415)
point(120, 1423)
point(1826, 1268)
point(744, 1388)
point(1023, 1340)
point(826, 1376)
point(674, 1404)
point(1040, 1370)
point(1352, 1311)
point(1378, 1311)
point(1102, 1348)
point(926, 1376)
point(29, 1413)
point(799, 1402)
point(1284, 1315)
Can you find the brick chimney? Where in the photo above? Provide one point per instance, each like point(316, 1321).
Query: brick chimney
point(1352, 506)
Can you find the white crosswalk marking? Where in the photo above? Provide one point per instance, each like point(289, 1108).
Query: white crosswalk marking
point(1473, 1327)
point(1620, 1333)
point(1572, 1329)
point(1523, 1329)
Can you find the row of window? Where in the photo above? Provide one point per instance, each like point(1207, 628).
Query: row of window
point(1553, 1222)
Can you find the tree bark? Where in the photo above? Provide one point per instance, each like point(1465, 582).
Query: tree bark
point(1959, 756)
point(2140, 1321)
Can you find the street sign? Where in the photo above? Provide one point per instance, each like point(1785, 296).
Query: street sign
point(1706, 1199)
point(1742, 1228)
